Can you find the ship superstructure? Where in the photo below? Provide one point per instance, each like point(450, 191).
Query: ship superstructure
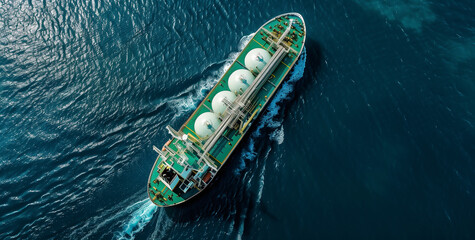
point(188, 162)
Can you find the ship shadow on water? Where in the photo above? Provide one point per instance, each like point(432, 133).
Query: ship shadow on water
point(312, 66)
point(217, 200)
point(228, 197)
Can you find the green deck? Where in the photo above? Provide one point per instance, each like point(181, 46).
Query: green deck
point(231, 137)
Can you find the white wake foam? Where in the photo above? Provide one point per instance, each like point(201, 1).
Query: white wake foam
point(138, 219)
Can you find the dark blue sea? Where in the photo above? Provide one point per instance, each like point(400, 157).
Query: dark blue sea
point(372, 136)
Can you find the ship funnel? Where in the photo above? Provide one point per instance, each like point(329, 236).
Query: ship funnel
point(206, 124)
point(256, 59)
point(240, 80)
point(218, 104)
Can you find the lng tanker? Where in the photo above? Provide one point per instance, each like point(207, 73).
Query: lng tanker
point(189, 161)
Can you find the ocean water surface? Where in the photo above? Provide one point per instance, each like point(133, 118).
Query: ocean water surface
point(372, 136)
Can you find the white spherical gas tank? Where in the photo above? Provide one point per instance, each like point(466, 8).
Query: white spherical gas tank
point(256, 59)
point(218, 105)
point(206, 124)
point(240, 80)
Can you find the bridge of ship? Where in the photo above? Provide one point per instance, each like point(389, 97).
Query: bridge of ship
point(193, 160)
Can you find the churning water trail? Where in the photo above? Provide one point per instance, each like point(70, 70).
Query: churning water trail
point(139, 218)
point(272, 110)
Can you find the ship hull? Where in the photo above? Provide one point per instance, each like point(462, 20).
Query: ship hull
point(168, 194)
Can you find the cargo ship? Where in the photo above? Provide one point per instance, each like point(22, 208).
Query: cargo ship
point(189, 161)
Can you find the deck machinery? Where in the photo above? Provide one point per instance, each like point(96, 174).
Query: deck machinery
point(191, 158)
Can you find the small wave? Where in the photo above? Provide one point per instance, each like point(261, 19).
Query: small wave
point(278, 135)
point(262, 180)
point(162, 226)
